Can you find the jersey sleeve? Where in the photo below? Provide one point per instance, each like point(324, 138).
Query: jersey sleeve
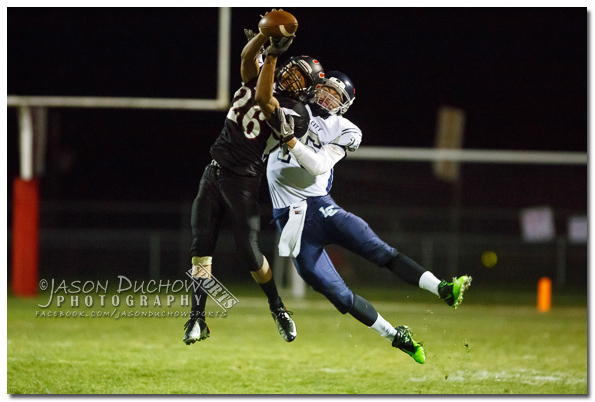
point(350, 137)
point(317, 163)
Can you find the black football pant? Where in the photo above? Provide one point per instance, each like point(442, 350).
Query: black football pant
point(221, 191)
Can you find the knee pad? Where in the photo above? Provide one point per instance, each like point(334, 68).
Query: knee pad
point(342, 301)
point(382, 253)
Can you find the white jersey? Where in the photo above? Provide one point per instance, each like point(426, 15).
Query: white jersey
point(289, 182)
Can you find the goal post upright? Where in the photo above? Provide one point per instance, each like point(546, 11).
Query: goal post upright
point(25, 248)
point(224, 57)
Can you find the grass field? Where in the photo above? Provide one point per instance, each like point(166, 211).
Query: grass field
point(481, 348)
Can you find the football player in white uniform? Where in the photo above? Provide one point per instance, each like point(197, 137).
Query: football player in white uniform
point(300, 174)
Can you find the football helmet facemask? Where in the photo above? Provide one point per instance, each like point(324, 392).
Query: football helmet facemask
point(289, 83)
point(327, 100)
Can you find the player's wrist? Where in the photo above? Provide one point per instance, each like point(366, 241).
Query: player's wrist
point(291, 141)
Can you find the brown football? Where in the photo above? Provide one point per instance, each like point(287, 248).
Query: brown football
point(278, 23)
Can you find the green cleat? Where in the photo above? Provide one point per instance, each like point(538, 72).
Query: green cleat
point(452, 293)
point(405, 342)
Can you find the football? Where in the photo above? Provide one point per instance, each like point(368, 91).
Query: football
point(277, 24)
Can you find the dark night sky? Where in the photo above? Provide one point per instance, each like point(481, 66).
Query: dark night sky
point(520, 75)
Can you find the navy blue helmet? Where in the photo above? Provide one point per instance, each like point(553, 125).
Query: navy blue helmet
point(342, 85)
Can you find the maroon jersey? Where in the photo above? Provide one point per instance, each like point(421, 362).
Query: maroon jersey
point(241, 145)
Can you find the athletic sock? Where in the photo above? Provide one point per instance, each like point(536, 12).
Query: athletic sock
point(364, 312)
point(429, 282)
point(199, 299)
point(270, 289)
point(384, 328)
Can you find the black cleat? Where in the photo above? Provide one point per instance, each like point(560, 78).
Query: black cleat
point(405, 342)
point(196, 331)
point(285, 324)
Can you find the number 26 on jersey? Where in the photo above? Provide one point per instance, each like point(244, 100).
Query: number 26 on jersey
point(250, 118)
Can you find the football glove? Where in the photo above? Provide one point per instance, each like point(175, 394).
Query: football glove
point(282, 125)
point(249, 34)
point(279, 46)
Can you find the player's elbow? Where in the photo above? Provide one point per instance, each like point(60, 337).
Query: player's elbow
point(248, 54)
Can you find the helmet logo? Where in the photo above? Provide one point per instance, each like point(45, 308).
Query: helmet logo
point(305, 66)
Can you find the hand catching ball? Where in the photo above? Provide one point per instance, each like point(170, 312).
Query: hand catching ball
point(278, 24)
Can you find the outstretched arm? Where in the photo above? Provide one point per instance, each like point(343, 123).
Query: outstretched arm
point(264, 88)
point(249, 67)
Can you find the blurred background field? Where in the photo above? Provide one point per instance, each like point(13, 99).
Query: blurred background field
point(495, 343)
